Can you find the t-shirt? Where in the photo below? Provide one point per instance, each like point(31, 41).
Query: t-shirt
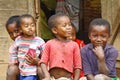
point(80, 43)
point(61, 54)
point(89, 60)
point(20, 48)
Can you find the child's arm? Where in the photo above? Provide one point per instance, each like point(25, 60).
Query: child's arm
point(76, 74)
point(86, 65)
point(13, 55)
point(102, 67)
point(45, 71)
point(77, 62)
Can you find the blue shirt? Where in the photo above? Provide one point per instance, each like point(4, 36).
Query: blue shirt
point(89, 60)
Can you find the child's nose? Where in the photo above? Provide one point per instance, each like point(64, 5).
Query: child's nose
point(99, 38)
point(69, 27)
point(29, 27)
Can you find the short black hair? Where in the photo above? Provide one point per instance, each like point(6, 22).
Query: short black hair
point(53, 20)
point(25, 16)
point(12, 19)
point(99, 21)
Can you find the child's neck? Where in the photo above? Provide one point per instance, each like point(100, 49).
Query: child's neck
point(28, 37)
point(62, 39)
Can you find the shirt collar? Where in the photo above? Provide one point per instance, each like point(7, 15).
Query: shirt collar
point(107, 46)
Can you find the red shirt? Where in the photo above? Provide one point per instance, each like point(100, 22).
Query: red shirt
point(62, 55)
point(81, 44)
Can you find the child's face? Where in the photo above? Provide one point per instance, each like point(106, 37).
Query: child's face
point(63, 28)
point(13, 31)
point(73, 35)
point(99, 35)
point(28, 27)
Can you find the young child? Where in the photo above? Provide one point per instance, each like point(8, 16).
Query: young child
point(73, 37)
point(98, 57)
point(61, 55)
point(14, 31)
point(22, 45)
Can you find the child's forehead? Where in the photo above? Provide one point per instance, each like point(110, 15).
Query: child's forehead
point(12, 25)
point(99, 28)
point(27, 19)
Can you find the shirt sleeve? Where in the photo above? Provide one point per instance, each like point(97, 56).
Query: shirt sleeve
point(85, 62)
point(111, 59)
point(77, 57)
point(41, 47)
point(13, 53)
point(42, 44)
point(45, 54)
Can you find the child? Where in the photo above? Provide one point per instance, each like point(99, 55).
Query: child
point(13, 30)
point(22, 45)
point(60, 54)
point(73, 37)
point(98, 57)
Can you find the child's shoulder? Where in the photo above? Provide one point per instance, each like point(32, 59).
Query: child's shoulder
point(110, 47)
point(51, 41)
point(38, 38)
point(18, 38)
point(88, 46)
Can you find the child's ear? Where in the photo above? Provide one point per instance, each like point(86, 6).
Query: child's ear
point(54, 30)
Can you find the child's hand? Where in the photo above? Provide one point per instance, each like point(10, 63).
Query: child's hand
point(31, 60)
point(99, 52)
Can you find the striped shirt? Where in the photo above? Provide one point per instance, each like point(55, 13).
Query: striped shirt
point(20, 48)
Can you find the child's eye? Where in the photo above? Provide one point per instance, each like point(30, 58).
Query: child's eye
point(16, 31)
point(26, 26)
point(32, 25)
point(10, 33)
point(64, 25)
point(104, 36)
point(70, 24)
point(94, 35)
